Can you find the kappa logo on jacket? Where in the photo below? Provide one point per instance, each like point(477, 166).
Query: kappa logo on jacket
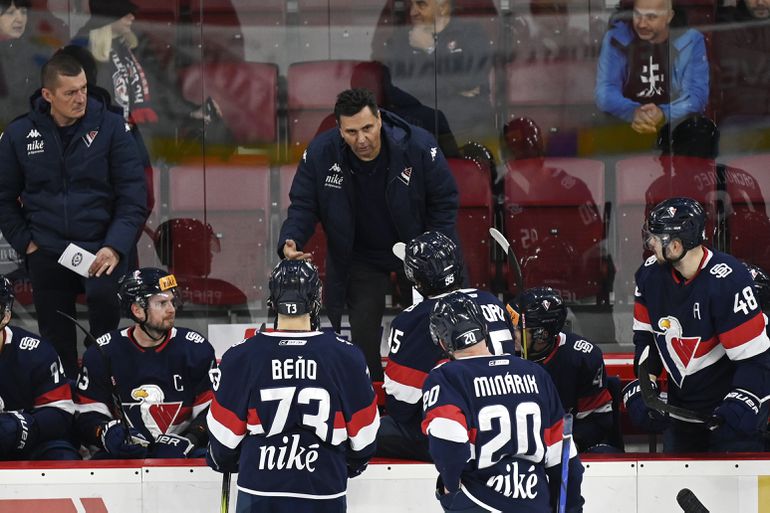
point(334, 178)
point(33, 134)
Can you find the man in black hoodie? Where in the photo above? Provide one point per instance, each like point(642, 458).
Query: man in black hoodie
point(70, 172)
point(373, 181)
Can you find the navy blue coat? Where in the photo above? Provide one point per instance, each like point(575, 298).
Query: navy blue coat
point(91, 193)
point(421, 195)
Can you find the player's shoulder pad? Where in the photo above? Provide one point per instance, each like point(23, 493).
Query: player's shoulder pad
point(726, 270)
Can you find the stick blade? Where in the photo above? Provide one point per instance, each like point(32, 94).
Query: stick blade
point(399, 249)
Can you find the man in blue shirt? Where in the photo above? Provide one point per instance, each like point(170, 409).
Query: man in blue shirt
point(648, 77)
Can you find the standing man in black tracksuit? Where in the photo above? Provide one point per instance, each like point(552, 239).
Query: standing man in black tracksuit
point(373, 181)
point(70, 173)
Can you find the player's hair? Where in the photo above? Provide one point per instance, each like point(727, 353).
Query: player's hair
point(351, 101)
point(19, 4)
point(61, 64)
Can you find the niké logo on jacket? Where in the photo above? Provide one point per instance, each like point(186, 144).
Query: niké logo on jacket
point(334, 178)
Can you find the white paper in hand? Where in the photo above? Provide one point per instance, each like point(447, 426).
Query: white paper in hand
point(77, 259)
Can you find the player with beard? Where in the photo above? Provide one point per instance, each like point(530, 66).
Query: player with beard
point(697, 312)
point(160, 373)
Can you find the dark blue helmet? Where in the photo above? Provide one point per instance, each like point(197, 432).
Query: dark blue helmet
point(6, 294)
point(761, 285)
point(542, 312)
point(295, 289)
point(433, 263)
point(456, 322)
point(140, 285)
point(677, 218)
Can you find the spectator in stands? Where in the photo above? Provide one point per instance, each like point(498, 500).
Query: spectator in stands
point(742, 70)
point(36, 408)
point(433, 264)
point(323, 448)
point(156, 370)
point(695, 313)
point(647, 75)
point(732, 197)
point(442, 61)
point(477, 410)
point(19, 73)
point(109, 37)
point(79, 178)
point(373, 181)
point(575, 364)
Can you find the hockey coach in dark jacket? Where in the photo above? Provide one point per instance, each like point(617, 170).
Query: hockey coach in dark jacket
point(70, 173)
point(373, 181)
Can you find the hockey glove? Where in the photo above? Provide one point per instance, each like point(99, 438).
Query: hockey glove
point(113, 437)
point(739, 410)
point(17, 432)
point(227, 460)
point(171, 446)
point(641, 416)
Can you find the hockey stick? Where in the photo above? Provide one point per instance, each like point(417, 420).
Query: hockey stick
point(513, 262)
point(399, 249)
point(117, 403)
point(566, 444)
point(225, 505)
point(652, 399)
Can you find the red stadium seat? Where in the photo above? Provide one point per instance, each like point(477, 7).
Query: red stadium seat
point(233, 197)
point(747, 182)
point(474, 219)
point(634, 177)
point(313, 89)
point(558, 95)
point(246, 93)
point(554, 221)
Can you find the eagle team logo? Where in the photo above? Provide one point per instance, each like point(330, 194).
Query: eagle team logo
point(681, 349)
point(157, 415)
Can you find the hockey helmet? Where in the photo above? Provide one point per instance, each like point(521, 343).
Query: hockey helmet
point(295, 289)
point(140, 285)
point(696, 136)
point(542, 312)
point(523, 139)
point(6, 294)
point(433, 263)
point(456, 323)
point(676, 218)
point(761, 284)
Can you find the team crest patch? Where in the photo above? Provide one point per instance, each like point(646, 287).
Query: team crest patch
point(156, 414)
point(89, 137)
point(406, 175)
